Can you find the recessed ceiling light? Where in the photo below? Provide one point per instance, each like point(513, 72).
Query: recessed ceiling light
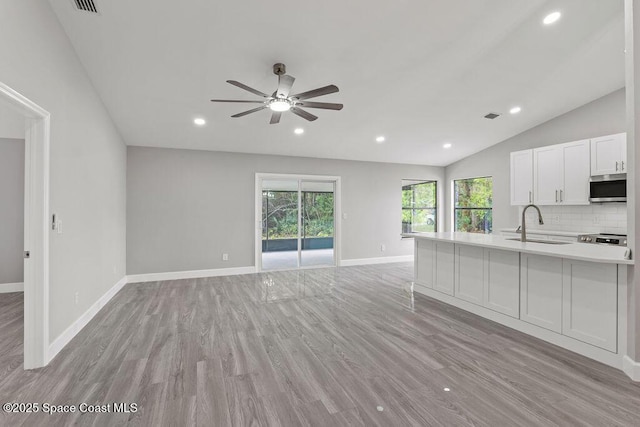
point(551, 18)
point(515, 110)
point(447, 145)
point(298, 131)
point(380, 139)
point(199, 121)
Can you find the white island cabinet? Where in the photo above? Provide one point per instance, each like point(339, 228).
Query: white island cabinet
point(488, 277)
point(541, 291)
point(434, 265)
point(501, 282)
point(572, 295)
point(590, 302)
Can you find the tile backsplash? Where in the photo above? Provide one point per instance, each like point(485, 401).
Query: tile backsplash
point(595, 218)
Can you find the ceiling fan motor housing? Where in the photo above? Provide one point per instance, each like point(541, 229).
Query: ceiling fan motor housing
point(279, 69)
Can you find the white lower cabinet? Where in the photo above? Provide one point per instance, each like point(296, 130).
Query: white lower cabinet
point(434, 265)
point(574, 298)
point(590, 303)
point(425, 262)
point(502, 282)
point(489, 278)
point(444, 262)
point(469, 277)
point(541, 291)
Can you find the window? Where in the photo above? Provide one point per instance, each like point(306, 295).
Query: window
point(473, 201)
point(419, 206)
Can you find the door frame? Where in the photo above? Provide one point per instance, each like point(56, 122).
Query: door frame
point(337, 213)
point(36, 226)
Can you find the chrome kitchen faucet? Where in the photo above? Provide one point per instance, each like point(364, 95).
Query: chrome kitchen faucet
point(523, 238)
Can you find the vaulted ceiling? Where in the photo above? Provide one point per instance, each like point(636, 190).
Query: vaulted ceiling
point(421, 73)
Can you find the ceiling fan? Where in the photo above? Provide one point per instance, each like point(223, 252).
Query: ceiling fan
point(281, 101)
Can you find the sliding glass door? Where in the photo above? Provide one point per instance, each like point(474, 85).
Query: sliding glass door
point(279, 224)
point(317, 223)
point(298, 223)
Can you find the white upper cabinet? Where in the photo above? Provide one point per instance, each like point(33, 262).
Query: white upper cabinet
point(522, 177)
point(575, 189)
point(561, 174)
point(609, 154)
point(547, 175)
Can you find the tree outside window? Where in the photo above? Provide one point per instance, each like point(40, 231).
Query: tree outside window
point(473, 202)
point(419, 206)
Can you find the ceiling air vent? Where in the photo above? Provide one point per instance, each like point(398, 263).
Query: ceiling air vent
point(86, 5)
point(492, 116)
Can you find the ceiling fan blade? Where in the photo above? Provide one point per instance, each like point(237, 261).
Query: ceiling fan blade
point(305, 115)
point(237, 100)
point(275, 117)
point(244, 113)
point(317, 92)
point(245, 87)
point(284, 85)
point(324, 105)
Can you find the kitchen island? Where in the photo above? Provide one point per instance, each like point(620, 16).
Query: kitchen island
point(570, 294)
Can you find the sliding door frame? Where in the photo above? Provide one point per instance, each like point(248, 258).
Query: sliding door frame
point(337, 212)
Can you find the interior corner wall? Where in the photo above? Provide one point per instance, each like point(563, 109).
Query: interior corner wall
point(604, 116)
point(87, 159)
point(11, 210)
point(186, 207)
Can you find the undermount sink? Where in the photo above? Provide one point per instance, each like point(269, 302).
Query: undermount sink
point(547, 242)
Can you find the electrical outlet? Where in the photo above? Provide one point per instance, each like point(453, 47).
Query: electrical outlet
point(77, 297)
point(225, 257)
point(344, 215)
point(383, 247)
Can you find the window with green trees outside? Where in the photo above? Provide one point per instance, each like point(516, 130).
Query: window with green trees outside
point(473, 202)
point(419, 207)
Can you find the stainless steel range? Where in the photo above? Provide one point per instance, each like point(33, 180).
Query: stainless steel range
point(604, 239)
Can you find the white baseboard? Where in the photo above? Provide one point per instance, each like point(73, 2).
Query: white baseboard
point(631, 368)
point(381, 260)
point(11, 287)
point(194, 274)
point(65, 337)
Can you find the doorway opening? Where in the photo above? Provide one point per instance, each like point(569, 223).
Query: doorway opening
point(297, 221)
point(36, 226)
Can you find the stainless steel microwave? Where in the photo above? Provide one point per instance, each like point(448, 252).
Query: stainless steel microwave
point(608, 188)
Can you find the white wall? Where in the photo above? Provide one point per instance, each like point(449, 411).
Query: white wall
point(185, 207)
point(603, 116)
point(11, 210)
point(88, 158)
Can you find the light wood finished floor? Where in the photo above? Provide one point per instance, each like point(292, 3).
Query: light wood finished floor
point(319, 347)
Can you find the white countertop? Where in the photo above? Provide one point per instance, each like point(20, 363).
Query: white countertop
point(580, 251)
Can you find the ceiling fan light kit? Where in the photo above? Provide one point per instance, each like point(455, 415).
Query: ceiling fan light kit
point(281, 100)
point(280, 104)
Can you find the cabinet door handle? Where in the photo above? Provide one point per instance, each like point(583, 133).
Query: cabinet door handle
point(616, 166)
point(622, 166)
point(530, 201)
point(556, 196)
point(560, 196)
